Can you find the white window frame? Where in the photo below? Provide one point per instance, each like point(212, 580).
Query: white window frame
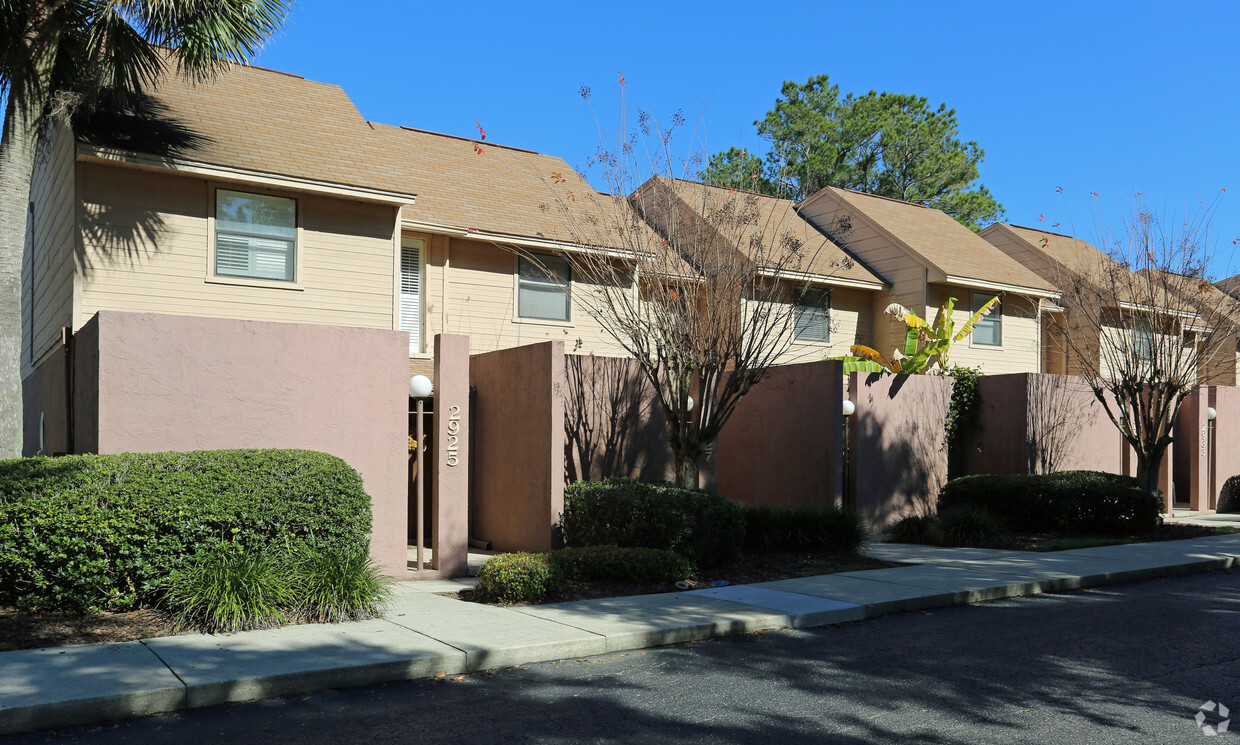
point(417, 345)
point(533, 261)
point(293, 261)
point(995, 317)
point(802, 309)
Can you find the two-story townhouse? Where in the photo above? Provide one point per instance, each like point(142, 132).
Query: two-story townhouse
point(831, 291)
point(1072, 338)
point(926, 257)
point(264, 196)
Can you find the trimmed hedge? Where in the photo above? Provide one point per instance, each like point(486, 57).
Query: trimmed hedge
point(102, 531)
point(1229, 495)
point(1062, 502)
point(534, 577)
point(699, 525)
point(802, 529)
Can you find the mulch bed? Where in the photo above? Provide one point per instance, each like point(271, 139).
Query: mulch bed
point(27, 630)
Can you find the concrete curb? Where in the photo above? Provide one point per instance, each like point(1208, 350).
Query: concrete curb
point(426, 634)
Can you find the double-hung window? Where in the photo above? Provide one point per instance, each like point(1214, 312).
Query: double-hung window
point(988, 331)
point(812, 320)
point(1143, 339)
point(543, 284)
point(255, 236)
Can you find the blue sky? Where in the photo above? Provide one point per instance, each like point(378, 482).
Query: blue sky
point(1094, 97)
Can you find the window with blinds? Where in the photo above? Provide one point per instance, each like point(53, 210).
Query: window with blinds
point(543, 288)
point(988, 331)
point(812, 321)
point(411, 291)
point(255, 236)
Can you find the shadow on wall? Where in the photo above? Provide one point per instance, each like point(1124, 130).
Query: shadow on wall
point(613, 425)
point(1059, 413)
point(898, 458)
point(123, 233)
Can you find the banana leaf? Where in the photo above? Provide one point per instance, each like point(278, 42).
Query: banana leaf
point(968, 327)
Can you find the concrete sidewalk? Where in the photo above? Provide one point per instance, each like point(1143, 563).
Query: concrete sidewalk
point(427, 634)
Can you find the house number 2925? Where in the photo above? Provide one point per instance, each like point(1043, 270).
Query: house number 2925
point(454, 433)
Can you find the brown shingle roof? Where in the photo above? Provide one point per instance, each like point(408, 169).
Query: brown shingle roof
point(273, 123)
point(1083, 262)
point(940, 241)
point(768, 221)
point(260, 120)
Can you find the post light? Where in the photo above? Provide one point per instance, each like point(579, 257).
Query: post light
point(1211, 413)
point(420, 388)
point(849, 407)
point(688, 403)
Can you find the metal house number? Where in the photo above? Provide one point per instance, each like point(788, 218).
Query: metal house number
point(454, 432)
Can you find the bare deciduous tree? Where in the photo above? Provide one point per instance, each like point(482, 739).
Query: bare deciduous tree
point(1144, 326)
point(702, 285)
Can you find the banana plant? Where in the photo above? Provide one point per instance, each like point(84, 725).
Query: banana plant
point(926, 345)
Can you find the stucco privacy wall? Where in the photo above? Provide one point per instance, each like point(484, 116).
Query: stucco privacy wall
point(178, 383)
point(783, 444)
point(1040, 424)
point(1226, 401)
point(898, 463)
point(518, 441)
point(613, 425)
point(45, 429)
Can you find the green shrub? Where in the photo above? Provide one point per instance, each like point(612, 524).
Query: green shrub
point(1062, 502)
point(1229, 496)
point(335, 585)
point(94, 531)
point(913, 529)
point(964, 525)
point(533, 578)
point(699, 525)
point(520, 578)
point(229, 589)
point(830, 528)
point(613, 564)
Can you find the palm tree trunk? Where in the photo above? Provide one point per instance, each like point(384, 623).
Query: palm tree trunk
point(17, 156)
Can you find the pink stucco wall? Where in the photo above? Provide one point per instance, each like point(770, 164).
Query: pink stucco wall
point(1226, 401)
point(178, 383)
point(1039, 424)
point(449, 499)
point(783, 445)
point(518, 489)
point(612, 423)
point(896, 443)
point(45, 406)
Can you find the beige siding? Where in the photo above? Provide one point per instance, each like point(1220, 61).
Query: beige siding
point(905, 273)
point(482, 303)
point(851, 323)
point(1019, 352)
point(146, 237)
point(47, 269)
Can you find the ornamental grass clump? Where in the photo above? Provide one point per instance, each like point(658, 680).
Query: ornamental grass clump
point(229, 589)
point(334, 585)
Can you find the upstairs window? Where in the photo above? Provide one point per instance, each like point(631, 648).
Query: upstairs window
point(543, 284)
point(255, 236)
point(812, 320)
point(988, 331)
point(1142, 339)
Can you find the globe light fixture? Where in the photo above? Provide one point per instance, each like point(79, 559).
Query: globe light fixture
point(849, 407)
point(420, 386)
